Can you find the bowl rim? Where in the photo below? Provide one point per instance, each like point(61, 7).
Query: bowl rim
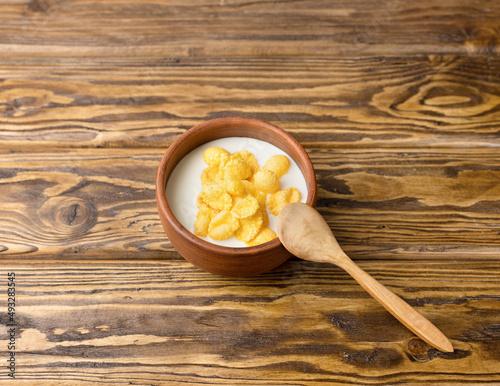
point(185, 234)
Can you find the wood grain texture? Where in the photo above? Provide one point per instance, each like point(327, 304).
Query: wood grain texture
point(394, 101)
point(304, 323)
point(380, 204)
point(214, 28)
point(306, 234)
point(369, 199)
point(81, 203)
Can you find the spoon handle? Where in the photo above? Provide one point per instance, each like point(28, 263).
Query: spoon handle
point(401, 310)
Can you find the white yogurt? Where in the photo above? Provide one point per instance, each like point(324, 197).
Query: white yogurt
point(184, 184)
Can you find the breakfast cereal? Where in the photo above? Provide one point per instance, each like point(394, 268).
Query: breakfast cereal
point(249, 227)
point(278, 164)
point(197, 202)
point(266, 181)
point(265, 235)
point(245, 206)
point(203, 218)
point(277, 201)
point(234, 198)
point(214, 155)
point(223, 225)
point(216, 197)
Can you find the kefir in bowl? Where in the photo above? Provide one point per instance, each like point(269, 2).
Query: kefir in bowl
point(184, 184)
point(178, 186)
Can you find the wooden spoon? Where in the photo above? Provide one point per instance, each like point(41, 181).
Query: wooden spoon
point(304, 232)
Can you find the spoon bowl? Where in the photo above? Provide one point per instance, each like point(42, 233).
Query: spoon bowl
point(304, 232)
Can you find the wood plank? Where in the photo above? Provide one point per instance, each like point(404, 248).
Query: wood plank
point(398, 106)
point(81, 203)
point(399, 101)
point(304, 323)
point(381, 204)
point(214, 28)
point(414, 204)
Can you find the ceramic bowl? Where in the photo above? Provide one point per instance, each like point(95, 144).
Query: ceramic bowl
point(222, 260)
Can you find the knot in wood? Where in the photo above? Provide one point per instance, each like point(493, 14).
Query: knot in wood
point(22, 102)
point(441, 100)
point(481, 40)
point(68, 215)
point(421, 351)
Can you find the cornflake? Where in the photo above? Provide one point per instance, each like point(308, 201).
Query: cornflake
point(203, 219)
point(249, 158)
point(249, 227)
point(235, 198)
point(245, 206)
point(223, 225)
point(277, 201)
point(216, 197)
point(213, 156)
point(264, 236)
point(278, 164)
point(266, 181)
point(236, 167)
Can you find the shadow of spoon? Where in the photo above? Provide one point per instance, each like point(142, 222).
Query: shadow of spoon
point(304, 232)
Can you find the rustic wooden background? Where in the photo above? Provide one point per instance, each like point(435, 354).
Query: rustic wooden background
point(398, 106)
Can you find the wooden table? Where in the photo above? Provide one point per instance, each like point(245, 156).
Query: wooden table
point(398, 106)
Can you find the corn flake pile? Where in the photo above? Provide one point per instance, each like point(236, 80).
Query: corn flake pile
point(236, 193)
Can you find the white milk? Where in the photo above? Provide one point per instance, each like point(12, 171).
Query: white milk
point(184, 184)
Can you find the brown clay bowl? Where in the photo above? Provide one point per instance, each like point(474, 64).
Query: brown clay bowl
point(222, 260)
